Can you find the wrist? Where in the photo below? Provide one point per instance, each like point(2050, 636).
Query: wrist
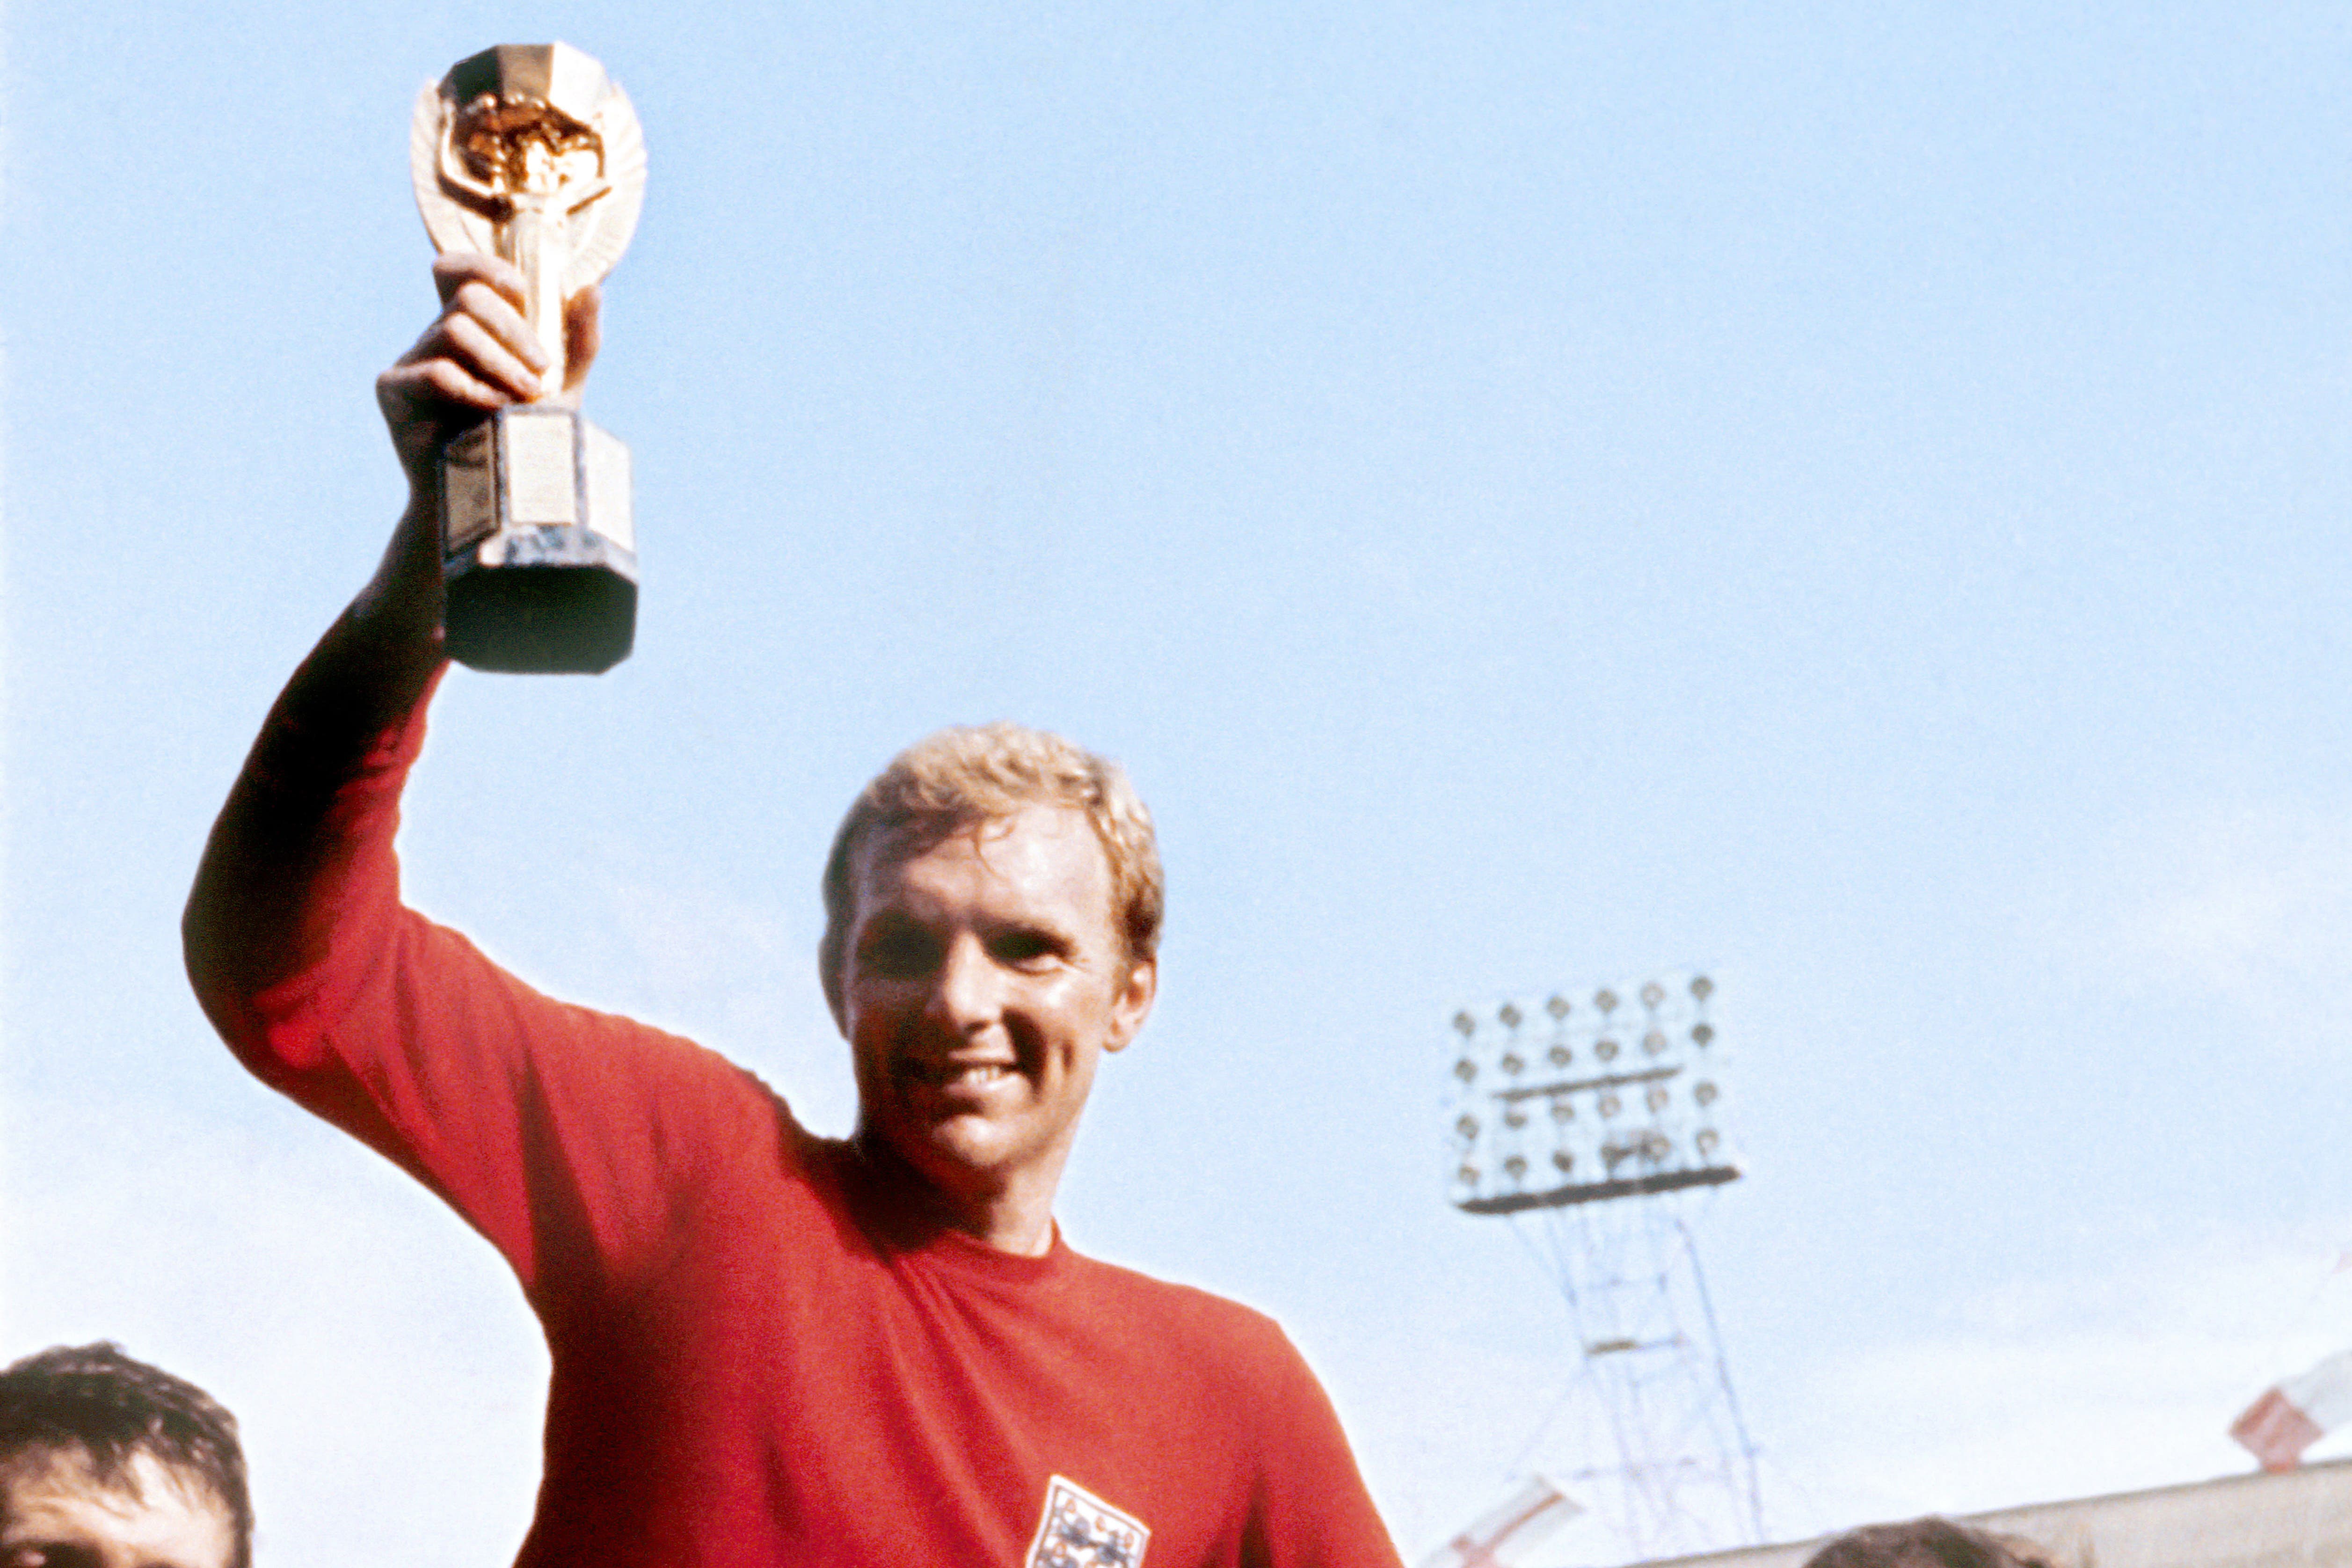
point(403, 600)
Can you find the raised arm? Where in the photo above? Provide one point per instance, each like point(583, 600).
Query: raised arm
point(269, 868)
point(535, 1120)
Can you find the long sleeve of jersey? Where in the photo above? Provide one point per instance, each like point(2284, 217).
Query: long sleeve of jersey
point(399, 1030)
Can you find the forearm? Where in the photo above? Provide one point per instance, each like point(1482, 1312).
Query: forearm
point(320, 785)
point(287, 838)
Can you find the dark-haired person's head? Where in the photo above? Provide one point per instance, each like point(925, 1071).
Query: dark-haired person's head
point(1929, 1543)
point(107, 1462)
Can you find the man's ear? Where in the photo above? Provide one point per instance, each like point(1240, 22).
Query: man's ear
point(829, 975)
point(1133, 1003)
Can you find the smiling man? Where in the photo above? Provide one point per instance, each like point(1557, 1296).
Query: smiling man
point(769, 1348)
point(993, 920)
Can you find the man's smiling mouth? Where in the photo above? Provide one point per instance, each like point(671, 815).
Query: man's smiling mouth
point(957, 1075)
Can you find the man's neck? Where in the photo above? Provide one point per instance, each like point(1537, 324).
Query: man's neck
point(1028, 1233)
point(1015, 1217)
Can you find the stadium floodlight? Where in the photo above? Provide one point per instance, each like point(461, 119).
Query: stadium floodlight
point(1499, 1073)
point(1595, 1127)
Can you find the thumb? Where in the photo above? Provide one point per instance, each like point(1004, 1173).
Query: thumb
point(583, 335)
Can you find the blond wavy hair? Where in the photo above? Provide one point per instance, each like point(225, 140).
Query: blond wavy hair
point(960, 777)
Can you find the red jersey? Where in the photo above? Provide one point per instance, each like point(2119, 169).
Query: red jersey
point(761, 1354)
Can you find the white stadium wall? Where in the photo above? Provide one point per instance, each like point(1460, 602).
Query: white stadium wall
point(2293, 1518)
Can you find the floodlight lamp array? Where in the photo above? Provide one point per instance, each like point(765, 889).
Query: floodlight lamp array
point(1583, 1099)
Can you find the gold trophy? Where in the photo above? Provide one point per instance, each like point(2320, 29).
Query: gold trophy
point(530, 152)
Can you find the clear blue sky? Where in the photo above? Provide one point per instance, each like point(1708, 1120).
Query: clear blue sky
point(1851, 497)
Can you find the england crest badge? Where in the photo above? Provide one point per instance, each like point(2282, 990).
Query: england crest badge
point(1078, 1529)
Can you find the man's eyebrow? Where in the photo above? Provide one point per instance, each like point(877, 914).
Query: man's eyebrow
point(1040, 927)
point(888, 925)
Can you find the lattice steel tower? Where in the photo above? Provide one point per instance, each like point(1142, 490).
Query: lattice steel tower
point(1590, 1126)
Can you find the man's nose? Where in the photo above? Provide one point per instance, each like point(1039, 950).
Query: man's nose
point(968, 992)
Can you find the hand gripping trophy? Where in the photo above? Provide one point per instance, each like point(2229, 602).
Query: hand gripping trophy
point(528, 152)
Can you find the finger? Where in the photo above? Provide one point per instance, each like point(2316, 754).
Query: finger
point(464, 341)
point(453, 271)
point(474, 348)
point(584, 333)
point(475, 303)
point(437, 380)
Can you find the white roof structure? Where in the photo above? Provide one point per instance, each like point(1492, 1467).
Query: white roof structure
point(2290, 1519)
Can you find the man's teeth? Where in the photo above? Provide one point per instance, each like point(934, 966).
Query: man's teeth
point(972, 1075)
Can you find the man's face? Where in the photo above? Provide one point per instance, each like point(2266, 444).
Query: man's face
point(56, 1513)
point(981, 981)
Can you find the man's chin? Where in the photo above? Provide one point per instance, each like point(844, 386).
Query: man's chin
point(955, 1154)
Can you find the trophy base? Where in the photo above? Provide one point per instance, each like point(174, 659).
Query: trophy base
point(557, 608)
point(536, 545)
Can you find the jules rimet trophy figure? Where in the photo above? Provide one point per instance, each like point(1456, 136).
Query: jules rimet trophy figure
point(532, 154)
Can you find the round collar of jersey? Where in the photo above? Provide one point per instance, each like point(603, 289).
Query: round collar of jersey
point(902, 1214)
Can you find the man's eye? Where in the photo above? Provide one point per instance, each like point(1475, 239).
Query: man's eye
point(898, 954)
point(49, 1554)
point(1025, 949)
